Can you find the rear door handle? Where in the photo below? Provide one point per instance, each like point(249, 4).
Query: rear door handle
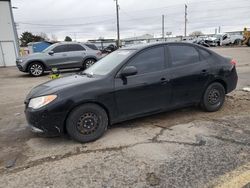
point(164, 80)
point(204, 72)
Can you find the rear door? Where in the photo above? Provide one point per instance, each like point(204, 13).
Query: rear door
point(148, 90)
point(76, 55)
point(190, 73)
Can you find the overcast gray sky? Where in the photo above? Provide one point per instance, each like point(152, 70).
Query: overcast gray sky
point(91, 19)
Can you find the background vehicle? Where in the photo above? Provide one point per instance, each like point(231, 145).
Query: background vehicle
point(109, 49)
point(62, 55)
point(222, 39)
point(130, 83)
point(246, 36)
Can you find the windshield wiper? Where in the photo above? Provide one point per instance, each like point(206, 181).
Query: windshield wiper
point(87, 74)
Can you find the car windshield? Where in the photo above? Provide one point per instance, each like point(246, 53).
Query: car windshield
point(108, 63)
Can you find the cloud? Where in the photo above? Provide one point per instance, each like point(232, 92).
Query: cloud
point(92, 19)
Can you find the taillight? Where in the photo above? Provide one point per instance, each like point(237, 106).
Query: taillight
point(233, 62)
point(99, 53)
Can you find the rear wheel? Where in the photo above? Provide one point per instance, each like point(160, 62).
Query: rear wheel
point(248, 43)
point(87, 123)
point(88, 63)
point(213, 97)
point(237, 42)
point(36, 69)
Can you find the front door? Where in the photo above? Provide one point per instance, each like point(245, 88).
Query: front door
point(59, 58)
point(148, 90)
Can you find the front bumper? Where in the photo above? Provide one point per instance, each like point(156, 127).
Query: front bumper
point(45, 121)
point(19, 66)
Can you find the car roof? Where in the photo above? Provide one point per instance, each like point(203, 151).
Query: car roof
point(142, 46)
point(147, 45)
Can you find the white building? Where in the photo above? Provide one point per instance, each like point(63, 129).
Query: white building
point(8, 35)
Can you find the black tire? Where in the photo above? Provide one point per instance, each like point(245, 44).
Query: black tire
point(87, 123)
point(213, 98)
point(248, 42)
point(237, 42)
point(88, 63)
point(36, 69)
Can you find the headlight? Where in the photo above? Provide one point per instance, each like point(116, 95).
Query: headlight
point(19, 60)
point(39, 102)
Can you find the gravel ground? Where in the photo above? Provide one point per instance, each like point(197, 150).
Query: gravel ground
point(182, 148)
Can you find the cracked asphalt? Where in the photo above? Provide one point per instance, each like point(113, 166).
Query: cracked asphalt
point(182, 148)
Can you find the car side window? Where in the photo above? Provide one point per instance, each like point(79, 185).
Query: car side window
point(183, 54)
point(75, 47)
point(61, 48)
point(92, 46)
point(204, 53)
point(149, 60)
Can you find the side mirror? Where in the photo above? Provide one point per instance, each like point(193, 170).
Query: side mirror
point(128, 71)
point(51, 52)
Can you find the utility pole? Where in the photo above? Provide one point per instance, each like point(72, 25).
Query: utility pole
point(219, 29)
point(163, 32)
point(118, 25)
point(185, 32)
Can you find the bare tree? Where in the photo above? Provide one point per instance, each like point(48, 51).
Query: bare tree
point(44, 36)
point(53, 37)
point(196, 34)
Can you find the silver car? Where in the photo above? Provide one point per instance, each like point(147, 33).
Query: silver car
point(63, 55)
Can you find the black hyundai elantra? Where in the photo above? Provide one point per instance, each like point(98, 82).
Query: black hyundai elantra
point(131, 82)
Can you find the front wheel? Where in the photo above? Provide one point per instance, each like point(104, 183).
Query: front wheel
point(87, 123)
point(36, 69)
point(213, 98)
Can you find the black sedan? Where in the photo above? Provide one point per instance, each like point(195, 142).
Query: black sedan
point(129, 83)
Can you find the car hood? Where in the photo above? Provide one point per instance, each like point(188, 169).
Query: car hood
point(211, 38)
point(56, 85)
point(32, 56)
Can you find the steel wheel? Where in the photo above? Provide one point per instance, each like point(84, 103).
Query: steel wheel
point(36, 69)
point(213, 97)
point(88, 123)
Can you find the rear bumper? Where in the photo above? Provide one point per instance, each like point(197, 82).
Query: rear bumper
point(232, 80)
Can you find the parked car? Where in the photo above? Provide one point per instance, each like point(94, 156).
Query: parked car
point(222, 39)
point(109, 49)
point(63, 55)
point(131, 82)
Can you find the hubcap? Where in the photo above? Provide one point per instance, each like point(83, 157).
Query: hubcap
point(88, 123)
point(36, 69)
point(89, 63)
point(214, 96)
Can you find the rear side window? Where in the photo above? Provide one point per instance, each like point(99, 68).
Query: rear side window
point(75, 47)
point(61, 48)
point(182, 54)
point(149, 60)
point(204, 53)
point(92, 46)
